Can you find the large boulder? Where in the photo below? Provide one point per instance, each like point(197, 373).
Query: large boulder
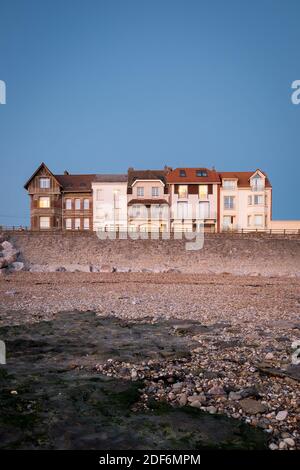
point(16, 266)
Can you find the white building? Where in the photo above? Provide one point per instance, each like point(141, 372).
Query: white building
point(246, 201)
point(110, 203)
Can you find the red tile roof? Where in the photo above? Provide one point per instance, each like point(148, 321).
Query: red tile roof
point(77, 183)
point(243, 177)
point(191, 176)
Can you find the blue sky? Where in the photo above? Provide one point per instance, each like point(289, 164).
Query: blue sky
point(101, 85)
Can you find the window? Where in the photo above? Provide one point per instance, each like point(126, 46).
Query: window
point(182, 191)
point(182, 210)
point(99, 195)
point(86, 204)
point(77, 204)
point(228, 202)
point(249, 200)
point(229, 184)
point(44, 222)
point(182, 173)
point(257, 183)
point(138, 211)
point(202, 173)
point(155, 191)
point(258, 200)
point(249, 220)
point(155, 211)
point(68, 204)
point(204, 210)
point(45, 183)
point(258, 220)
point(86, 224)
point(203, 191)
point(77, 224)
point(140, 191)
point(69, 224)
point(44, 202)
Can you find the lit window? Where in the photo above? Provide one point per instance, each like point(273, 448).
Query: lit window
point(77, 224)
point(140, 191)
point(201, 173)
point(258, 220)
point(182, 191)
point(86, 204)
point(69, 204)
point(258, 200)
point(44, 222)
point(203, 191)
point(44, 202)
point(228, 202)
point(182, 173)
point(229, 184)
point(45, 183)
point(69, 224)
point(77, 204)
point(155, 191)
point(86, 224)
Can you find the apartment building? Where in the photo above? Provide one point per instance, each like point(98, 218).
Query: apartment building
point(194, 195)
point(164, 200)
point(246, 201)
point(147, 201)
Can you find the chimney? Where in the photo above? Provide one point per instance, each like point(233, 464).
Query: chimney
point(130, 169)
point(167, 169)
point(66, 172)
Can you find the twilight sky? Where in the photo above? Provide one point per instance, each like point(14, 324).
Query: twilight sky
point(100, 85)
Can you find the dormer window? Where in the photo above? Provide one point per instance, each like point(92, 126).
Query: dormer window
point(257, 183)
point(201, 173)
point(182, 173)
point(229, 184)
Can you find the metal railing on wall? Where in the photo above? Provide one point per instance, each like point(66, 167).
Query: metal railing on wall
point(212, 230)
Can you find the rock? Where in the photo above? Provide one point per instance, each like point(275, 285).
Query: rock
point(134, 374)
point(61, 269)
point(211, 409)
point(252, 407)
point(196, 404)
point(201, 398)
point(249, 392)
point(3, 263)
point(177, 386)
point(289, 441)
point(282, 445)
point(235, 396)
point(216, 390)
point(105, 268)
point(273, 446)
point(269, 356)
point(7, 246)
point(182, 399)
point(16, 266)
point(281, 415)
